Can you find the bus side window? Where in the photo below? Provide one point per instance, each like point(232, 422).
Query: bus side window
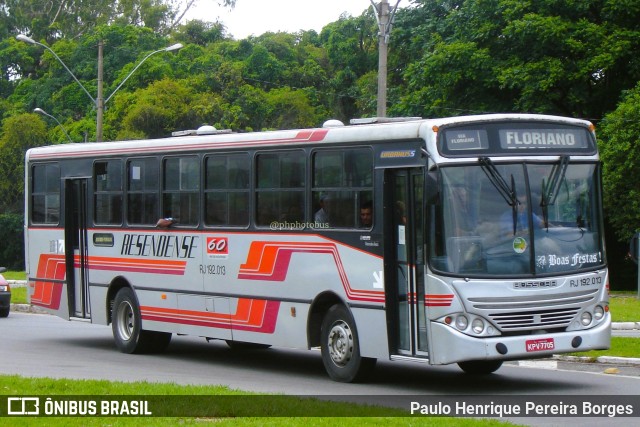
point(181, 190)
point(226, 190)
point(142, 191)
point(280, 188)
point(342, 184)
point(107, 177)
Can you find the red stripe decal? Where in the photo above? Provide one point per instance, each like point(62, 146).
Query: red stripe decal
point(251, 315)
point(270, 261)
point(312, 135)
point(438, 300)
point(47, 294)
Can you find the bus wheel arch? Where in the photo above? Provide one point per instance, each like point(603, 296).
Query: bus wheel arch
point(115, 286)
point(319, 308)
point(126, 325)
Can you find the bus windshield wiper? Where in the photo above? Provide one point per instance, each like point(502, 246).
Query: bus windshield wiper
point(551, 188)
point(498, 181)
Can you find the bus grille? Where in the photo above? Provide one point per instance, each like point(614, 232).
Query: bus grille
point(555, 311)
point(534, 319)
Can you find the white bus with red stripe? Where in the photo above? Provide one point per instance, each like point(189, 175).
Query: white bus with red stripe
point(485, 245)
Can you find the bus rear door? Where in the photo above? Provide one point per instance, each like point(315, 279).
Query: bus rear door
point(75, 230)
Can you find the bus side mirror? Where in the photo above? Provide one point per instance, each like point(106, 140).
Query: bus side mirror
point(431, 187)
point(633, 247)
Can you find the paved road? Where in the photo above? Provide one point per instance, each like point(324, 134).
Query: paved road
point(42, 345)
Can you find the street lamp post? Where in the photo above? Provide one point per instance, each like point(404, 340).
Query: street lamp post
point(44, 113)
point(98, 102)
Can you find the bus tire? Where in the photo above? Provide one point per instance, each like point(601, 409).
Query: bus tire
point(340, 348)
point(480, 367)
point(126, 324)
point(4, 312)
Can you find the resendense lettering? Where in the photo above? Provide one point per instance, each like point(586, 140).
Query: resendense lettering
point(150, 245)
point(530, 138)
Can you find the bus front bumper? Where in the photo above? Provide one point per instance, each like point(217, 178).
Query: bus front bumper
point(460, 347)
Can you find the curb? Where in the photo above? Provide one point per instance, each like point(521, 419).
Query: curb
point(625, 326)
point(17, 283)
point(610, 360)
point(27, 308)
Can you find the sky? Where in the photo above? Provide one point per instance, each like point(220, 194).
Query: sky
point(256, 17)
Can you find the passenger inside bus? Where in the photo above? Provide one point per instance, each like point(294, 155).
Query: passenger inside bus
point(401, 215)
point(366, 215)
point(322, 214)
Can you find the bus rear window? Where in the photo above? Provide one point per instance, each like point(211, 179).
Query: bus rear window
point(45, 194)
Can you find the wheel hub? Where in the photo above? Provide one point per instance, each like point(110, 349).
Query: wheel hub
point(340, 343)
point(125, 320)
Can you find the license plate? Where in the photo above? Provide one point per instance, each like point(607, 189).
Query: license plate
point(540, 345)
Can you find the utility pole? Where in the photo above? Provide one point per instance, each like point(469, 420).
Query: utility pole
point(384, 16)
point(100, 97)
point(100, 101)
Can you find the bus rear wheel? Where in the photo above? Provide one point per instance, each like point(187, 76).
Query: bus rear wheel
point(340, 348)
point(480, 367)
point(126, 324)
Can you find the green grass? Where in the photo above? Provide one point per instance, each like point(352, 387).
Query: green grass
point(624, 307)
point(19, 295)
point(620, 347)
point(225, 407)
point(14, 275)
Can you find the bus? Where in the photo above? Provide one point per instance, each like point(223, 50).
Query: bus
point(468, 240)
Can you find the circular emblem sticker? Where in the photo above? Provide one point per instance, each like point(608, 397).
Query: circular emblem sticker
point(519, 245)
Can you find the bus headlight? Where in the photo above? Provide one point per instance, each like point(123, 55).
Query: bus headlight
point(586, 318)
point(598, 312)
point(477, 326)
point(470, 324)
point(462, 322)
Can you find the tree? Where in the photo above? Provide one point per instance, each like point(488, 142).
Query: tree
point(352, 49)
point(291, 109)
point(620, 154)
point(51, 20)
point(263, 68)
point(163, 107)
point(200, 33)
point(18, 134)
point(553, 56)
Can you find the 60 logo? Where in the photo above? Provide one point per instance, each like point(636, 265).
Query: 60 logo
point(217, 246)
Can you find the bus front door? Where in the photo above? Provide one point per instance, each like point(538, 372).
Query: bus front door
point(75, 214)
point(404, 265)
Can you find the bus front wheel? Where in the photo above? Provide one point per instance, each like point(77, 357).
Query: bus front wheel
point(480, 367)
point(126, 324)
point(340, 348)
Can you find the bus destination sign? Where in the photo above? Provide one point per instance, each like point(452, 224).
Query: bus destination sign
point(467, 139)
point(512, 138)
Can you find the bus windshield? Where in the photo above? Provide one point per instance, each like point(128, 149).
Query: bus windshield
point(502, 219)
